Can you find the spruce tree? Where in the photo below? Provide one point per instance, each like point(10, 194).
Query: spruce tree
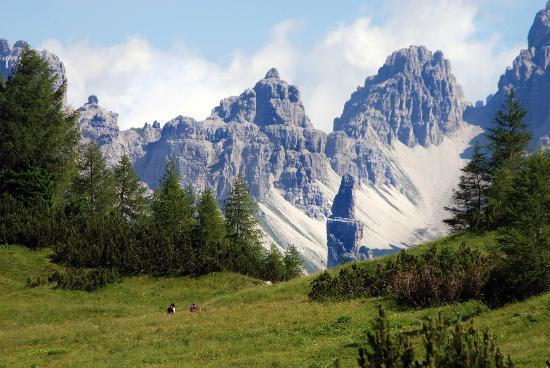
point(274, 266)
point(469, 199)
point(293, 263)
point(509, 137)
point(244, 250)
point(210, 233)
point(38, 134)
point(130, 193)
point(170, 242)
point(508, 143)
point(92, 190)
point(525, 238)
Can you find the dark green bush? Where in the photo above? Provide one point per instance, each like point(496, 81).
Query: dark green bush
point(437, 277)
point(84, 279)
point(444, 345)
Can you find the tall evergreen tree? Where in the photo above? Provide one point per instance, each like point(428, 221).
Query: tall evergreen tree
point(130, 193)
point(509, 137)
point(469, 199)
point(210, 233)
point(293, 263)
point(274, 267)
point(92, 190)
point(38, 134)
point(243, 233)
point(525, 238)
point(172, 207)
point(508, 143)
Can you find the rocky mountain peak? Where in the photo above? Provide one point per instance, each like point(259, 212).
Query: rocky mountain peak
point(271, 101)
point(529, 77)
point(414, 98)
point(272, 73)
point(539, 34)
point(9, 57)
point(4, 46)
point(92, 100)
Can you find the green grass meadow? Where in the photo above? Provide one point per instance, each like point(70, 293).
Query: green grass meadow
point(243, 322)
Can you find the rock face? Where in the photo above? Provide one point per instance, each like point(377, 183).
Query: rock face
point(9, 56)
point(344, 232)
point(529, 76)
point(263, 134)
point(414, 99)
point(100, 126)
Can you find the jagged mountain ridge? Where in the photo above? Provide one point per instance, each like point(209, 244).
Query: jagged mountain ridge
point(529, 76)
point(9, 56)
point(294, 170)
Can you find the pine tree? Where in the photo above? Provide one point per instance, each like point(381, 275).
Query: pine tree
point(508, 143)
point(170, 243)
point(210, 233)
point(509, 137)
point(525, 238)
point(274, 267)
point(469, 199)
point(130, 193)
point(38, 134)
point(92, 190)
point(293, 263)
point(243, 234)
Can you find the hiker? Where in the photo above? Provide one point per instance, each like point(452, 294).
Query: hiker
point(194, 308)
point(171, 309)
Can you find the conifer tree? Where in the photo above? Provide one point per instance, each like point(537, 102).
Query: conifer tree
point(508, 143)
point(509, 137)
point(130, 193)
point(210, 233)
point(92, 190)
point(293, 263)
point(469, 199)
point(243, 234)
point(38, 134)
point(274, 266)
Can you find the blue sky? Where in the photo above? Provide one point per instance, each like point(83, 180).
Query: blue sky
point(184, 56)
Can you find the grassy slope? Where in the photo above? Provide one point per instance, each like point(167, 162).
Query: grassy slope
point(244, 323)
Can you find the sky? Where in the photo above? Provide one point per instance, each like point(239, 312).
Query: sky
point(153, 60)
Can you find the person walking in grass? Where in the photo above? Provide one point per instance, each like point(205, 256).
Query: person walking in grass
point(194, 308)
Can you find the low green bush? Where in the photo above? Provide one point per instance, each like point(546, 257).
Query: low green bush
point(84, 279)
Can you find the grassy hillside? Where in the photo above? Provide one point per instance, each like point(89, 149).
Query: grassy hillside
point(244, 323)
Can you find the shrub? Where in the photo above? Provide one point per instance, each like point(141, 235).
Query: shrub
point(444, 346)
point(82, 279)
point(437, 277)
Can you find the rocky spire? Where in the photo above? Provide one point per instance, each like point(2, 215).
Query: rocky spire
point(344, 232)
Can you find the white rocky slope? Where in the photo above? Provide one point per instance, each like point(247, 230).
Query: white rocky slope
point(390, 217)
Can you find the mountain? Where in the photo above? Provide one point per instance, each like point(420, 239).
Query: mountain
point(101, 126)
point(414, 99)
point(400, 136)
point(9, 56)
point(529, 76)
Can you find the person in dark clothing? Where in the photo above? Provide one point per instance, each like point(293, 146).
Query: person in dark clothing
point(171, 309)
point(194, 308)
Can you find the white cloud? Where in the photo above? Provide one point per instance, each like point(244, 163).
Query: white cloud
point(143, 83)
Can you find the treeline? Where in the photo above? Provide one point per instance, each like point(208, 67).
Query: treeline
point(55, 192)
point(502, 189)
